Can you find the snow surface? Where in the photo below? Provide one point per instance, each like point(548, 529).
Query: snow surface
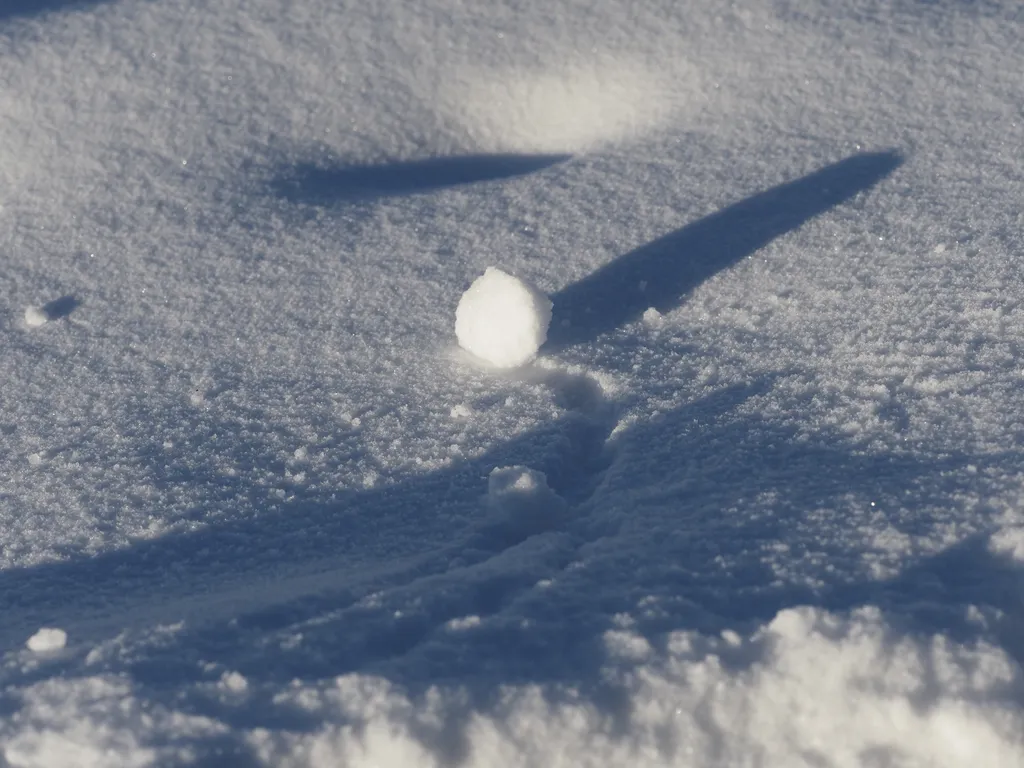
point(759, 500)
point(502, 320)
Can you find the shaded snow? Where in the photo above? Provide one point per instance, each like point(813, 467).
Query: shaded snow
point(757, 499)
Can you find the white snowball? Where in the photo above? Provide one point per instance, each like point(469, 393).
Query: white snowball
point(47, 639)
point(34, 317)
point(502, 319)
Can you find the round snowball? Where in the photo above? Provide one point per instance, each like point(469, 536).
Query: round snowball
point(502, 319)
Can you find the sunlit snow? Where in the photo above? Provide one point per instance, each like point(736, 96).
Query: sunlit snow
point(720, 466)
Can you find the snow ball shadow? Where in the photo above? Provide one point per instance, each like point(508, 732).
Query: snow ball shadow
point(325, 185)
point(661, 273)
point(61, 308)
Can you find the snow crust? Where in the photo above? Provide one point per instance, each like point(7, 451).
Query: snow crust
point(758, 499)
point(502, 319)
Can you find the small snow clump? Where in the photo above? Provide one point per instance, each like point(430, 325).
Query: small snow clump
point(47, 639)
point(35, 316)
point(520, 481)
point(502, 319)
point(523, 501)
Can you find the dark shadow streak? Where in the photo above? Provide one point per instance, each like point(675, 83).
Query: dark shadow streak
point(317, 185)
point(661, 273)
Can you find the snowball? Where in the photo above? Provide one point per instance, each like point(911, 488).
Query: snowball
point(502, 319)
point(34, 317)
point(47, 639)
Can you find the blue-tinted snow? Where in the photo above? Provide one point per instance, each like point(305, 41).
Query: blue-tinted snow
point(758, 500)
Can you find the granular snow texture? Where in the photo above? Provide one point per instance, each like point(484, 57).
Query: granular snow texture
point(757, 499)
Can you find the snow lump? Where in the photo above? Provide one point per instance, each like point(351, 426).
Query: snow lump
point(35, 316)
point(47, 639)
point(523, 501)
point(502, 319)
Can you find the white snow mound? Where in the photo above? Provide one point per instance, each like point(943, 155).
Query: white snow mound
point(502, 319)
point(515, 481)
point(47, 639)
point(523, 499)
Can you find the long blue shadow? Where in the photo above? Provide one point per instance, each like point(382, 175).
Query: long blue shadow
point(318, 185)
point(661, 273)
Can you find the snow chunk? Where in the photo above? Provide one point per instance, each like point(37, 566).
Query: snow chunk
point(525, 503)
point(502, 319)
point(810, 688)
point(461, 411)
point(47, 639)
point(233, 682)
point(653, 318)
point(627, 645)
point(35, 316)
point(505, 483)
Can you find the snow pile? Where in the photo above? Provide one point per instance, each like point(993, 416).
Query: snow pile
point(47, 639)
point(786, 695)
point(502, 319)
